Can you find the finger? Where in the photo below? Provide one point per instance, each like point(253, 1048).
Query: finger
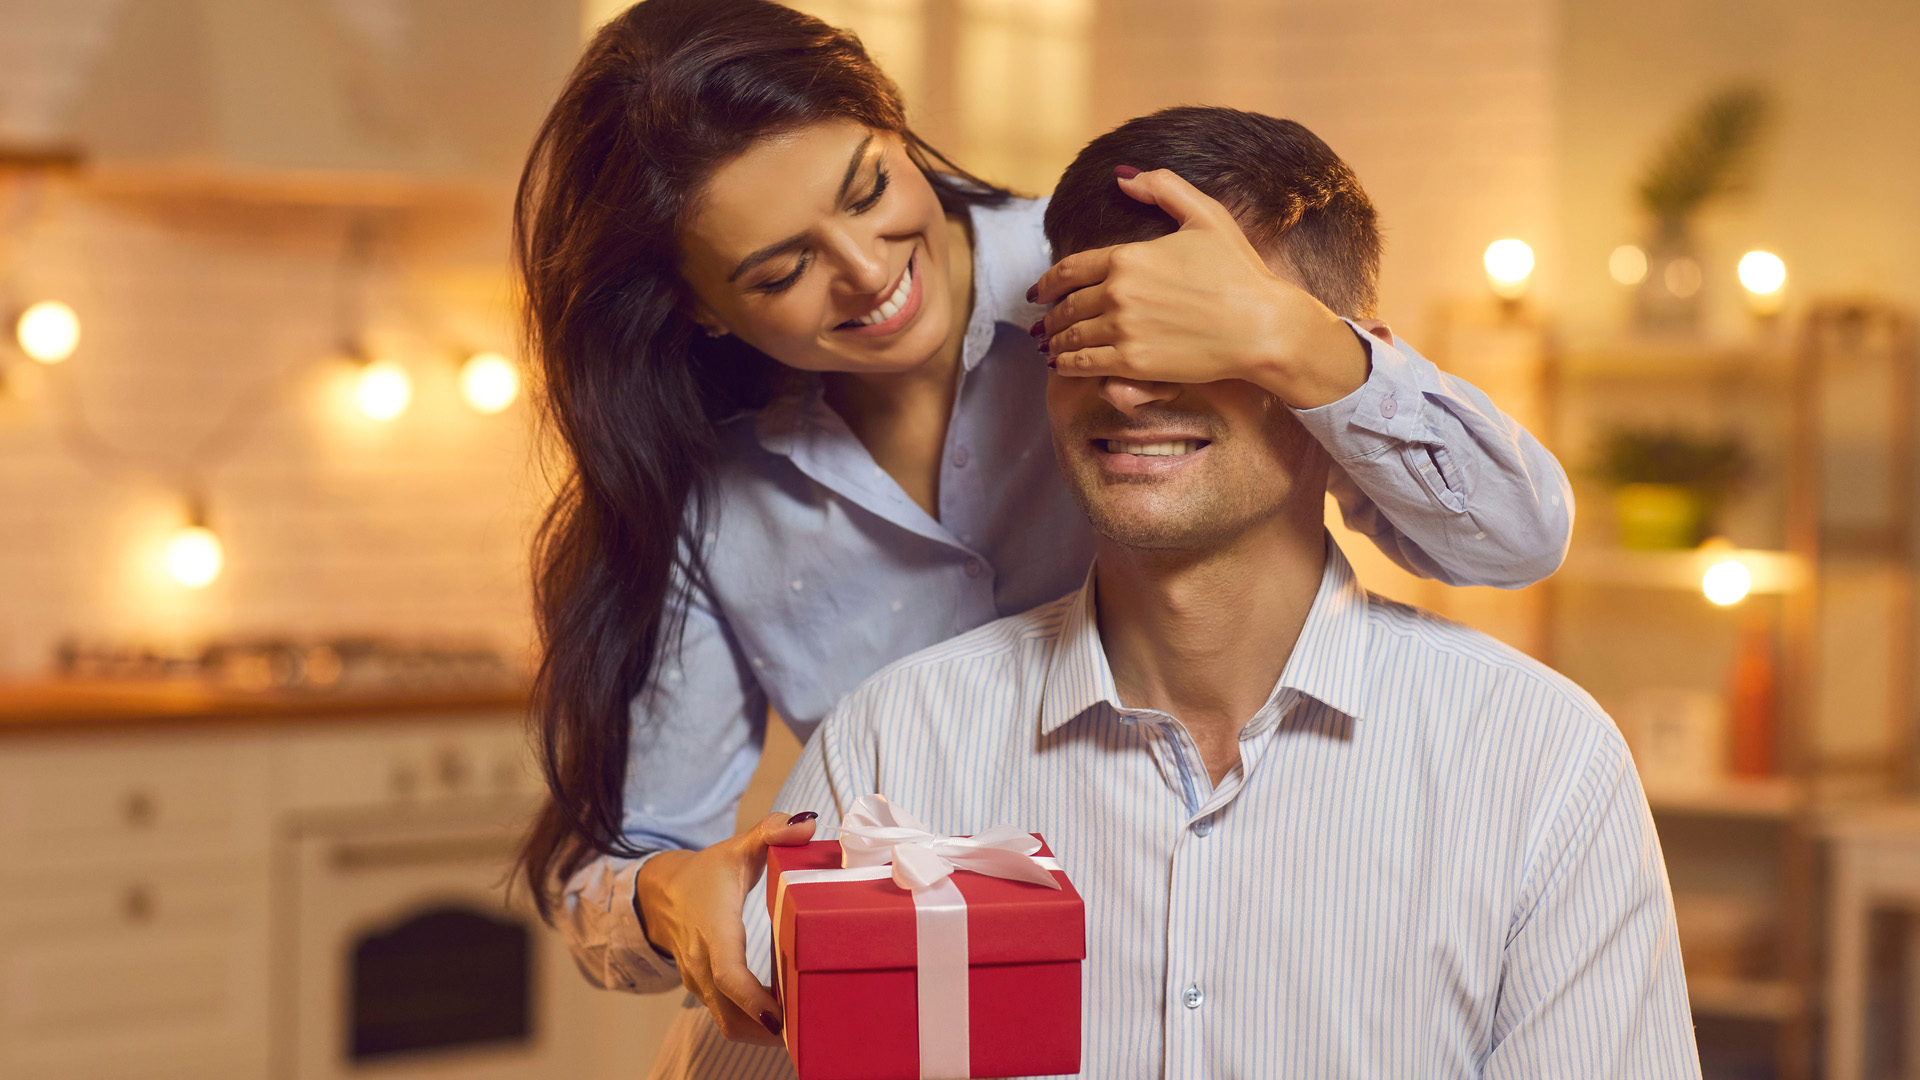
point(1076, 271)
point(747, 996)
point(785, 830)
point(1100, 330)
point(1076, 306)
point(1096, 362)
point(1183, 202)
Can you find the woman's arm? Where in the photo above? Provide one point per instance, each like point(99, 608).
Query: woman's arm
point(1439, 478)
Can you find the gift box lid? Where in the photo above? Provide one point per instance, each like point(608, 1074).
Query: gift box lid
point(862, 925)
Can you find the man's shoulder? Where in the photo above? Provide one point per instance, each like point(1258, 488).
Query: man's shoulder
point(1428, 642)
point(997, 658)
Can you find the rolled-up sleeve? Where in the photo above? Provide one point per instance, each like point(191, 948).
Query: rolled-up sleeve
point(696, 736)
point(1442, 481)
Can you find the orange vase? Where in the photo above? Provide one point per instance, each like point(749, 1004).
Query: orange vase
point(1752, 698)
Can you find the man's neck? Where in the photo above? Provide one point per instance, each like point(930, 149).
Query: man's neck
point(1205, 638)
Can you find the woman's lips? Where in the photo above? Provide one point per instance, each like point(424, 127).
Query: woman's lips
point(901, 318)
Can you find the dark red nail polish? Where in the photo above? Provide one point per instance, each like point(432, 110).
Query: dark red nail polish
point(1052, 364)
point(1125, 172)
point(1038, 329)
point(1033, 294)
point(1043, 348)
point(770, 1022)
point(802, 817)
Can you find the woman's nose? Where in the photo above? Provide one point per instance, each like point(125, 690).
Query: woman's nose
point(1128, 395)
point(867, 268)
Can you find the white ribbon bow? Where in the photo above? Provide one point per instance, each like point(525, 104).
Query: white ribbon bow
point(877, 832)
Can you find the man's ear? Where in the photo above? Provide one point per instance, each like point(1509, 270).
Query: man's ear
point(1376, 328)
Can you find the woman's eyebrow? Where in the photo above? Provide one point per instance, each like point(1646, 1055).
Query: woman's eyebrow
point(780, 247)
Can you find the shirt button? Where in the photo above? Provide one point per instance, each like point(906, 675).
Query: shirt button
point(974, 569)
point(1203, 826)
point(1388, 407)
point(1193, 996)
point(961, 457)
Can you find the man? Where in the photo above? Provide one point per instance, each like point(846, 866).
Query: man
point(1318, 833)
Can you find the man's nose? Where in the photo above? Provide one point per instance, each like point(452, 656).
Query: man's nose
point(1129, 395)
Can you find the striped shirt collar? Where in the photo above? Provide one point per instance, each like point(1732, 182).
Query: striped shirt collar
point(1328, 662)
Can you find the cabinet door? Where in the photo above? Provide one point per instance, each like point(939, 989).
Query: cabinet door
point(143, 970)
point(136, 798)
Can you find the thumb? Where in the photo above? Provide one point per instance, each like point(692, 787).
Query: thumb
point(1185, 204)
point(786, 830)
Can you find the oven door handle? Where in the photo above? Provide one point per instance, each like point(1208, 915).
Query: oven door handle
point(367, 855)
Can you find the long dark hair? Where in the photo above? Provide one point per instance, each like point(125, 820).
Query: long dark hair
point(665, 93)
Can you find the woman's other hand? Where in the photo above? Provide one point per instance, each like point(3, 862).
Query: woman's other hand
point(690, 903)
point(1197, 305)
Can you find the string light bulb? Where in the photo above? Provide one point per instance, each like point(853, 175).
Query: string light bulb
point(489, 382)
point(194, 555)
point(48, 331)
point(383, 390)
point(1509, 264)
point(1727, 582)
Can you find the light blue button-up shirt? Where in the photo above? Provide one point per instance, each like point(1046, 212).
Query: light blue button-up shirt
point(823, 570)
point(1433, 858)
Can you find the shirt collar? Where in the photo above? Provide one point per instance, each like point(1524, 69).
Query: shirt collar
point(1328, 662)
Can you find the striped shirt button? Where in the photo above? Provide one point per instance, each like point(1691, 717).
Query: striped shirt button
point(1193, 996)
point(1203, 826)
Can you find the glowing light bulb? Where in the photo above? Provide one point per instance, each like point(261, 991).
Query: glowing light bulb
point(1509, 263)
point(384, 390)
point(489, 382)
point(48, 331)
point(1762, 272)
point(1727, 582)
point(1627, 264)
point(194, 556)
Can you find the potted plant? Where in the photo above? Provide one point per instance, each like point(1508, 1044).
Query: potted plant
point(1669, 485)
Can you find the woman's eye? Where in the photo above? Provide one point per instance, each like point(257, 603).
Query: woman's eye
point(880, 179)
point(783, 284)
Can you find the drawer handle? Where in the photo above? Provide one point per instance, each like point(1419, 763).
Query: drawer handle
point(139, 809)
point(138, 903)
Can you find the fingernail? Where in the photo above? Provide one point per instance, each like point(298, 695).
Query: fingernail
point(1043, 348)
point(1052, 364)
point(1038, 329)
point(1125, 172)
point(770, 1022)
point(1033, 294)
point(802, 816)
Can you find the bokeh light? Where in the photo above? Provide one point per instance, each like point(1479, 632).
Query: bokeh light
point(384, 390)
point(49, 331)
point(194, 556)
point(1509, 263)
point(1762, 272)
point(1727, 582)
point(489, 382)
point(1627, 264)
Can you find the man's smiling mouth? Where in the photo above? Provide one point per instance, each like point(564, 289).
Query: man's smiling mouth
point(1175, 448)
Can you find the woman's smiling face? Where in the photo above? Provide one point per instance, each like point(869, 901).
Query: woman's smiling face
point(826, 249)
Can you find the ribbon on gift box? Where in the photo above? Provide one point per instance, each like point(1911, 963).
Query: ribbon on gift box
point(880, 840)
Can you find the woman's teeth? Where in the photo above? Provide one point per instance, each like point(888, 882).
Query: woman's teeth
point(891, 305)
point(1158, 449)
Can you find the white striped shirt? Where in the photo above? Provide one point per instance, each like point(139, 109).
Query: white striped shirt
point(1434, 858)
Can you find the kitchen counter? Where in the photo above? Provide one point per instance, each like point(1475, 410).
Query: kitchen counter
point(62, 706)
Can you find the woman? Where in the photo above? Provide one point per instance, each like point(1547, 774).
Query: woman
point(785, 344)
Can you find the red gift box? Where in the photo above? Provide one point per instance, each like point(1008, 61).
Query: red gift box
point(847, 972)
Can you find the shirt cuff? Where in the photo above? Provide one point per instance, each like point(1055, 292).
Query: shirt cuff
point(1383, 413)
point(639, 963)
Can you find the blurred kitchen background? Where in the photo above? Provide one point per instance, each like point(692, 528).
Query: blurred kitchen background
point(268, 471)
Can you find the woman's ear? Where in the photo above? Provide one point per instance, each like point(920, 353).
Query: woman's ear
point(1376, 328)
point(707, 321)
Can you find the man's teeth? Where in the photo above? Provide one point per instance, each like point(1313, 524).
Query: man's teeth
point(1158, 449)
point(891, 306)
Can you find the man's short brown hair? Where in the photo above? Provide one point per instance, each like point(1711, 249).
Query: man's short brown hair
point(1286, 188)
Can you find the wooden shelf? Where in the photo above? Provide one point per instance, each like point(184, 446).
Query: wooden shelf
point(1773, 571)
point(313, 188)
point(1675, 359)
point(1745, 999)
point(1769, 798)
